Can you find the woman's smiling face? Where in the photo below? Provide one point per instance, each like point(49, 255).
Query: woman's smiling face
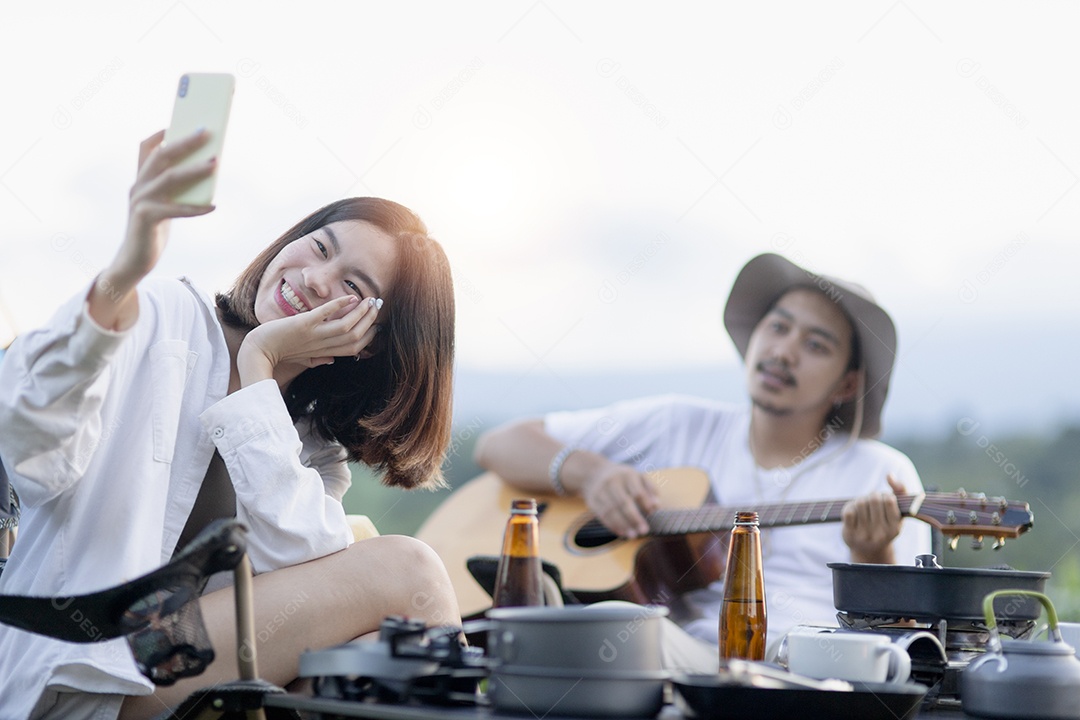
point(343, 258)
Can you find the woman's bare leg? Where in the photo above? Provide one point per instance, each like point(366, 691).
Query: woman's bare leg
point(318, 604)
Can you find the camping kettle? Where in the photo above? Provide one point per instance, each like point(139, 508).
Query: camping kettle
point(1020, 678)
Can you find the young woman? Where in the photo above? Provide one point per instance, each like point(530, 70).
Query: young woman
point(145, 409)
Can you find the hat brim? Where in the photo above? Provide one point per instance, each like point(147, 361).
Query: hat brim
point(762, 282)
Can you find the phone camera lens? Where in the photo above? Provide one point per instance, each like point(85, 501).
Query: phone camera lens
point(183, 85)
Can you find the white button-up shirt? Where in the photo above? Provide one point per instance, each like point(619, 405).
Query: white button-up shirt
point(107, 437)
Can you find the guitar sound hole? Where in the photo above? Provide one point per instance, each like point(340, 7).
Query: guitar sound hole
point(593, 534)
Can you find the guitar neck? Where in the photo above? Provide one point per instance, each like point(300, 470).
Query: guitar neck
point(717, 518)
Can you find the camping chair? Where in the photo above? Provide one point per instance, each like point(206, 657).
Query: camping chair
point(159, 615)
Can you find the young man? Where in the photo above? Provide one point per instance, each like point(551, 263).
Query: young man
point(818, 353)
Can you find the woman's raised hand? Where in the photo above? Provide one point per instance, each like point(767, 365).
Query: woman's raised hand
point(158, 181)
point(283, 348)
point(112, 301)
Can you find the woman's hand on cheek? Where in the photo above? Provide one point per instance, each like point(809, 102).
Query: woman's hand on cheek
point(285, 347)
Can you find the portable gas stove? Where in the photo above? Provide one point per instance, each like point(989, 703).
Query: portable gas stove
point(409, 663)
point(940, 650)
point(935, 613)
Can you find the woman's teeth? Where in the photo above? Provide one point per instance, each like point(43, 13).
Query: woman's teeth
point(291, 298)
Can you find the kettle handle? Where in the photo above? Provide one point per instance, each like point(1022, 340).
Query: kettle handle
point(994, 644)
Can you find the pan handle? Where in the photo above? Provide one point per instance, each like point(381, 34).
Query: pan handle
point(994, 644)
point(502, 648)
point(480, 625)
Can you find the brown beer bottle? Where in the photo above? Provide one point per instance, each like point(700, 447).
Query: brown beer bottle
point(518, 579)
point(742, 616)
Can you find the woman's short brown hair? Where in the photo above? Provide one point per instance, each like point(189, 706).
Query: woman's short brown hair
point(391, 411)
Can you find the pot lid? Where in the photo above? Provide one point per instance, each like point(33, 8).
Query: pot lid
point(578, 613)
point(901, 570)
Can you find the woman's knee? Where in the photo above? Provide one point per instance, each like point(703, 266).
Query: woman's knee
point(400, 560)
point(410, 575)
point(399, 552)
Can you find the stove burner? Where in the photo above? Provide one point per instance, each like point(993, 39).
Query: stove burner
point(954, 634)
point(940, 650)
point(409, 662)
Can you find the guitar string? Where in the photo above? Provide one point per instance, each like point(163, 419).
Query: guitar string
point(681, 521)
point(678, 521)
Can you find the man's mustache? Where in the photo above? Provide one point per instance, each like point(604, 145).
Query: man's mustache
point(779, 369)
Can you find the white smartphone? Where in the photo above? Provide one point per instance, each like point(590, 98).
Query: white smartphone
point(202, 101)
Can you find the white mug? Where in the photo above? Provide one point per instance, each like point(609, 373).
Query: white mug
point(852, 656)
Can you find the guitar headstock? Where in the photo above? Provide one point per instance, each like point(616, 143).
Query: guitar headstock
point(976, 515)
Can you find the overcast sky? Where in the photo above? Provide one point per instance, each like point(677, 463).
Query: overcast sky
point(597, 171)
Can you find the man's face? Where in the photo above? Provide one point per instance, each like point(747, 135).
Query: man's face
point(796, 362)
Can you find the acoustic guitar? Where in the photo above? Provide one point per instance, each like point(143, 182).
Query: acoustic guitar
point(687, 543)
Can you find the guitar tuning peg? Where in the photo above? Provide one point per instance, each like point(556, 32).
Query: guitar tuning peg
point(954, 541)
point(999, 543)
point(977, 542)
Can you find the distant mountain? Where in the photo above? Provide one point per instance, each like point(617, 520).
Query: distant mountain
point(1005, 380)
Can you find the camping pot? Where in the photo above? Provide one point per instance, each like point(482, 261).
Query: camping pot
point(598, 661)
point(1019, 678)
point(607, 637)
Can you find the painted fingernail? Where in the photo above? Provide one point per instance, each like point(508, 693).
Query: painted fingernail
point(378, 303)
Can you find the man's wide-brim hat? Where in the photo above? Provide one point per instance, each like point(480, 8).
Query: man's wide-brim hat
point(767, 277)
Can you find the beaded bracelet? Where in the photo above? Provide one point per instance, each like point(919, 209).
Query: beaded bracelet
point(556, 467)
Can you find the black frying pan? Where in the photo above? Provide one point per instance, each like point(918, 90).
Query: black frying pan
point(929, 594)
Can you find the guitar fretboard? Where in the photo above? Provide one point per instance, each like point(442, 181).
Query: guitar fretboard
point(952, 513)
point(713, 518)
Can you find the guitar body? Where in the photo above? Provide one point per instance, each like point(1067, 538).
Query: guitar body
point(648, 571)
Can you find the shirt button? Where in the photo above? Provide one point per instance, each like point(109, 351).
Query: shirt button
point(219, 432)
